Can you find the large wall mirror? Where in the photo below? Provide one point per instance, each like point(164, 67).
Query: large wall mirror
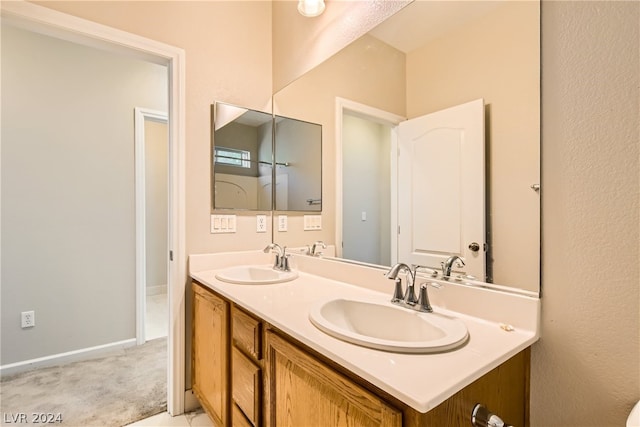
point(252, 149)
point(429, 57)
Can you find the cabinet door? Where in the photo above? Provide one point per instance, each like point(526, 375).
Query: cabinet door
point(246, 389)
point(211, 353)
point(247, 333)
point(302, 391)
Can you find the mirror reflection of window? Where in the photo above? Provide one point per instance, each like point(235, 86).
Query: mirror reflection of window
point(242, 147)
point(243, 156)
point(232, 157)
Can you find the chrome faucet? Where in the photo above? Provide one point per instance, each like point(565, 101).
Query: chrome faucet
point(282, 259)
point(448, 265)
point(409, 296)
point(409, 299)
point(313, 251)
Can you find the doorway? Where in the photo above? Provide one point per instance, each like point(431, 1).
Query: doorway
point(46, 21)
point(366, 183)
point(152, 202)
point(366, 190)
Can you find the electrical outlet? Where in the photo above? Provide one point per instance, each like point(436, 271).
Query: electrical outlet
point(28, 319)
point(261, 223)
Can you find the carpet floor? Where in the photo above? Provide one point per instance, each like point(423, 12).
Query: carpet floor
point(110, 391)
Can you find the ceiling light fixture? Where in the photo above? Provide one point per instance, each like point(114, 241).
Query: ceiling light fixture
point(310, 8)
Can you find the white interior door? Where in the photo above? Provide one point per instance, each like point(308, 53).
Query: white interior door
point(441, 192)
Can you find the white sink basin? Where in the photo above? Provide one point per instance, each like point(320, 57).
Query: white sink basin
point(385, 326)
point(255, 275)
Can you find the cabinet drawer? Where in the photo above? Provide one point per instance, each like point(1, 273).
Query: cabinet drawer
point(247, 333)
point(239, 420)
point(245, 384)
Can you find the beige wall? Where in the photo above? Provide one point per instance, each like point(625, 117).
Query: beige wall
point(586, 368)
point(485, 59)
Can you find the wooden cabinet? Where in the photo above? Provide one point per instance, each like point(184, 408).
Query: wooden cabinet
point(238, 419)
point(246, 386)
point(210, 355)
point(302, 391)
point(247, 333)
point(246, 373)
point(503, 390)
point(246, 368)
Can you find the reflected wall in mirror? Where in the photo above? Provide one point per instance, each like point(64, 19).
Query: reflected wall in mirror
point(298, 154)
point(428, 57)
point(242, 158)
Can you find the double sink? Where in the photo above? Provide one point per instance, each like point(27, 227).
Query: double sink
point(365, 321)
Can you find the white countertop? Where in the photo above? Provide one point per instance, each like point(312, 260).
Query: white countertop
point(422, 381)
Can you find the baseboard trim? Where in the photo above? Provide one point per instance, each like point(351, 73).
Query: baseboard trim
point(156, 290)
point(70, 356)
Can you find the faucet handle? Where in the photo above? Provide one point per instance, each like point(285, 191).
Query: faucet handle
point(284, 263)
point(397, 292)
point(423, 300)
point(314, 248)
point(276, 263)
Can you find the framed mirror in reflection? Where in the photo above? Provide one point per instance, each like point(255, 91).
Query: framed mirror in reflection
point(252, 149)
point(242, 158)
point(428, 58)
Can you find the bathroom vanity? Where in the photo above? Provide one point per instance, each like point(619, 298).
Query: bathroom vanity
point(258, 360)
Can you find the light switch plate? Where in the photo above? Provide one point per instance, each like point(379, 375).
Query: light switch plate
point(223, 224)
point(283, 223)
point(312, 222)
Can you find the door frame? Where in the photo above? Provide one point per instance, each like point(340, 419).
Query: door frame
point(140, 116)
point(343, 106)
point(71, 28)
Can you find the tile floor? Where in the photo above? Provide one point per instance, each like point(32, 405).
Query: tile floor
point(191, 419)
point(156, 316)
